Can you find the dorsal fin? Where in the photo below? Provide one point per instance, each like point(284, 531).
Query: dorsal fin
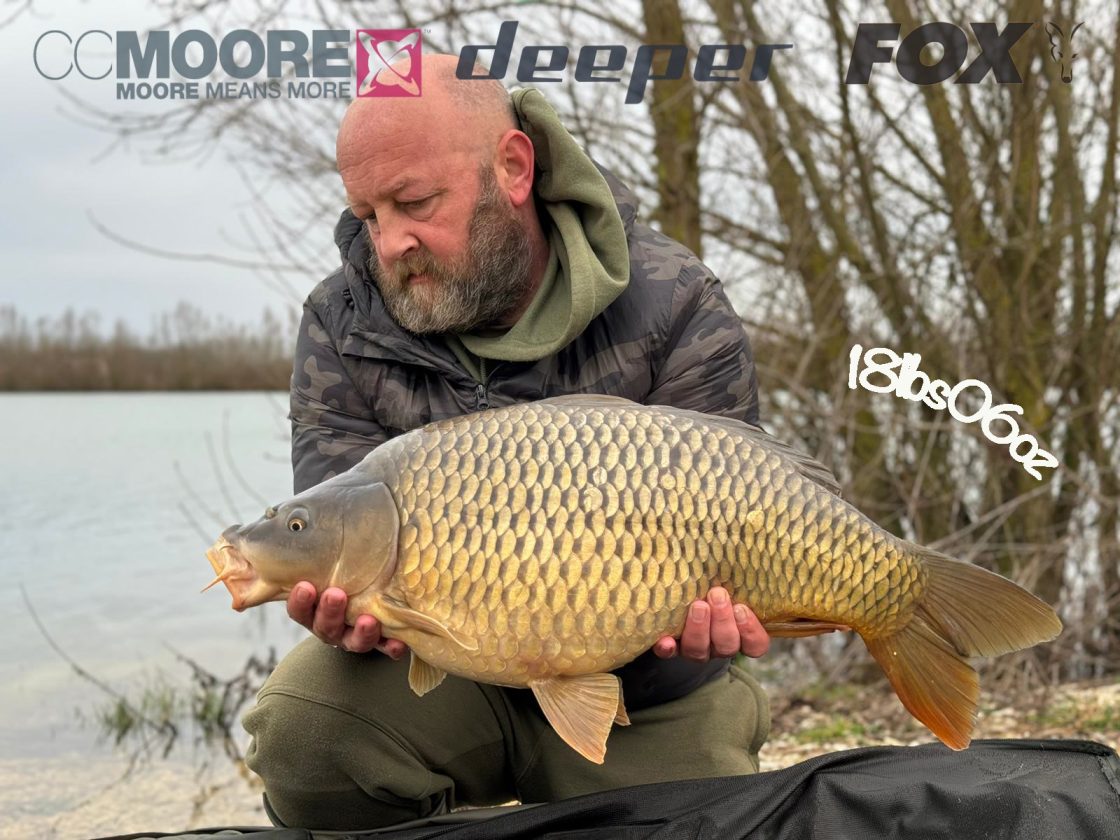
point(808, 466)
point(591, 401)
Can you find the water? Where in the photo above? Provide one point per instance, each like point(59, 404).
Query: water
point(108, 502)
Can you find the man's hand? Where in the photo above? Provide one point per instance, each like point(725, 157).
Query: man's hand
point(715, 628)
point(327, 620)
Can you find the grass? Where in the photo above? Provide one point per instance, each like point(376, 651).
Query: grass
point(837, 729)
point(148, 717)
point(157, 713)
point(1079, 718)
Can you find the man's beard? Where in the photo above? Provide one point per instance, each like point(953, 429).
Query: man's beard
point(476, 291)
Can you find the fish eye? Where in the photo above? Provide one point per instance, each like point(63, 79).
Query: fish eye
point(296, 524)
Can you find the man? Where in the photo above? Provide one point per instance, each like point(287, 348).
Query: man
point(488, 261)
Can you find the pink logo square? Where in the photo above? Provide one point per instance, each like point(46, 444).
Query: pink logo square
point(389, 62)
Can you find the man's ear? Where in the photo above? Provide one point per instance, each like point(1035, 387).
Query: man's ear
point(514, 164)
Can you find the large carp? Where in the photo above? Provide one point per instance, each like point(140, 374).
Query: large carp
point(547, 543)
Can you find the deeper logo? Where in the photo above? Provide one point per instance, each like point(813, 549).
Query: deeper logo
point(389, 62)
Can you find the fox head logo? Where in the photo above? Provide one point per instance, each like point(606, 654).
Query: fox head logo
point(1061, 48)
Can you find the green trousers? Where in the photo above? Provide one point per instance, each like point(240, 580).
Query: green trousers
point(342, 743)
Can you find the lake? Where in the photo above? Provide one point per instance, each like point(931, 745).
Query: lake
point(109, 502)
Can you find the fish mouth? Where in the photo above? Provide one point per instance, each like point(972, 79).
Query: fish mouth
point(237, 573)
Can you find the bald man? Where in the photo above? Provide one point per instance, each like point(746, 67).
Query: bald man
point(487, 260)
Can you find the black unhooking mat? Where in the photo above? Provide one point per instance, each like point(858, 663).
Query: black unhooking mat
point(1014, 789)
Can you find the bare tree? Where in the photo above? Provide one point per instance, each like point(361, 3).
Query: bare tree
point(973, 223)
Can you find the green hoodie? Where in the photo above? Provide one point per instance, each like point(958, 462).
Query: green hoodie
point(589, 260)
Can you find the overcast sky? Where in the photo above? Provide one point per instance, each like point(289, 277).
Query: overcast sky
point(53, 178)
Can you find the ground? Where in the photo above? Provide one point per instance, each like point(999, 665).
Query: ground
point(829, 719)
point(94, 797)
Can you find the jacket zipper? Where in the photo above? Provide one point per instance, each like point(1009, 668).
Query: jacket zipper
point(481, 400)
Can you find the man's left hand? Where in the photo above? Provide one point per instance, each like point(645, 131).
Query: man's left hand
point(715, 628)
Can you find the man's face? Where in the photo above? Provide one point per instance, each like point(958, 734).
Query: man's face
point(466, 289)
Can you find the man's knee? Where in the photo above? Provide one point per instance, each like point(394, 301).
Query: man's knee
point(716, 730)
point(327, 766)
point(757, 705)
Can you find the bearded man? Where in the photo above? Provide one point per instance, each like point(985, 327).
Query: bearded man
point(487, 260)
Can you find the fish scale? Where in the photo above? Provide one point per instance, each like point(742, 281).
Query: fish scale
point(681, 474)
point(548, 543)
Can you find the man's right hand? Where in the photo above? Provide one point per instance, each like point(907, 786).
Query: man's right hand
point(327, 620)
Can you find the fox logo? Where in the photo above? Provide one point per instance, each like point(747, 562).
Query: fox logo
point(1061, 48)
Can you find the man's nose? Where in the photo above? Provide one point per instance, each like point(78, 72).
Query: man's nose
point(396, 239)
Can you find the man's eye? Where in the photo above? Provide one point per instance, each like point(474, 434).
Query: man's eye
point(418, 204)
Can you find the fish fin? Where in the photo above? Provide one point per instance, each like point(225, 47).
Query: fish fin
point(796, 628)
point(423, 676)
point(933, 681)
point(581, 710)
point(965, 611)
point(620, 716)
point(808, 466)
point(395, 614)
point(812, 469)
point(592, 401)
point(980, 612)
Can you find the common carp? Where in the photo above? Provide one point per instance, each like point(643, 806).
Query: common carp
point(545, 544)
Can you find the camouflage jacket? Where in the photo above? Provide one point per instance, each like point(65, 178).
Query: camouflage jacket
point(670, 338)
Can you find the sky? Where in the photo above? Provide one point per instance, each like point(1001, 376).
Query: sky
point(56, 176)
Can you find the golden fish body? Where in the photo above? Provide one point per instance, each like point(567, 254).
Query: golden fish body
point(546, 544)
point(566, 540)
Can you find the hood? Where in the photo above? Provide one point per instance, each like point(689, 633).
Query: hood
point(588, 215)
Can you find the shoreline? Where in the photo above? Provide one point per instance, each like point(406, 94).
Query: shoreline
point(76, 797)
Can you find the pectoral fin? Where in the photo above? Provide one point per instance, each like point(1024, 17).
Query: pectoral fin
point(581, 710)
point(796, 628)
point(394, 615)
point(423, 676)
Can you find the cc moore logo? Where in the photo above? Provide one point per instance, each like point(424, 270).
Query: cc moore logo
point(389, 62)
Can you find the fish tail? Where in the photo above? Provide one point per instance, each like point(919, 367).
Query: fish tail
point(964, 612)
